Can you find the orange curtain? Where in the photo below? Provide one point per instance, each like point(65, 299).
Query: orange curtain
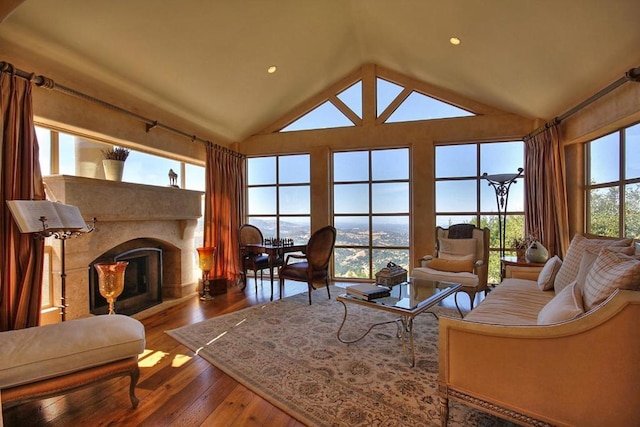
point(223, 209)
point(546, 211)
point(21, 256)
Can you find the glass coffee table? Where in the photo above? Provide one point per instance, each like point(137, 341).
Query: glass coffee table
point(407, 300)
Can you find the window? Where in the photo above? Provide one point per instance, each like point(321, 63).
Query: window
point(613, 184)
point(462, 196)
point(279, 196)
point(370, 211)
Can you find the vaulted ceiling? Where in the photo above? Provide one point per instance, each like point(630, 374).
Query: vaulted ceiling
point(206, 61)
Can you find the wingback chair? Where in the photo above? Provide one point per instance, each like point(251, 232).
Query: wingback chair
point(461, 256)
point(316, 267)
point(253, 259)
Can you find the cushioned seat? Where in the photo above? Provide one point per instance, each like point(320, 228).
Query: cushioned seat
point(33, 354)
point(45, 361)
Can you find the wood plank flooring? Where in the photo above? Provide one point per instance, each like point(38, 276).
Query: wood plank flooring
point(176, 387)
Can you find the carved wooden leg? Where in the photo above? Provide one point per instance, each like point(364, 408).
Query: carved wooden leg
point(135, 375)
point(444, 405)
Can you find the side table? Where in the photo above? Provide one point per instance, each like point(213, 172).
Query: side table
point(519, 268)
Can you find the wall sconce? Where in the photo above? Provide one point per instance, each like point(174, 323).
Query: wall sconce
point(501, 183)
point(111, 281)
point(205, 262)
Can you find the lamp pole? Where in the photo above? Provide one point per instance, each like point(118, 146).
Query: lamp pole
point(501, 183)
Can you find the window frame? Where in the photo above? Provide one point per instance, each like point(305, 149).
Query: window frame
point(621, 182)
point(371, 248)
point(277, 216)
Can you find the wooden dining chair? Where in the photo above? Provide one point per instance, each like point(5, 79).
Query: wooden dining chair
point(251, 259)
point(316, 267)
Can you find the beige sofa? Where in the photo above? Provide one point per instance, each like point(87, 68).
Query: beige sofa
point(513, 357)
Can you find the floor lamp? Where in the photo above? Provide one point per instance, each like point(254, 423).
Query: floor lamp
point(501, 183)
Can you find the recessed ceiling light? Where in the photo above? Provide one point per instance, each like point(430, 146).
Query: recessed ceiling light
point(272, 69)
point(454, 41)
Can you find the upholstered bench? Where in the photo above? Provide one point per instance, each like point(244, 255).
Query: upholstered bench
point(45, 361)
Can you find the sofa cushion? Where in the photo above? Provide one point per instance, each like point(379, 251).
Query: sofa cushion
point(512, 302)
point(452, 265)
point(548, 273)
point(571, 264)
point(38, 353)
point(457, 248)
point(564, 306)
point(611, 270)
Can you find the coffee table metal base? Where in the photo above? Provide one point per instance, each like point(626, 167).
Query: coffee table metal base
point(404, 332)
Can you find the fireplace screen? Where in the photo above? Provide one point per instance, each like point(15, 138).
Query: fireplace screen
point(142, 282)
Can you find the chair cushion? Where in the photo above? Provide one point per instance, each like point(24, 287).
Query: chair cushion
point(298, 271)
point(38, 353)
point(610, 271)
point(468, 280)
point(452, 265)
point(564, 306)
point(459, 249)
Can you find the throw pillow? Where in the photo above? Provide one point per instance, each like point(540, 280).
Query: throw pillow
point(452, 265)
point(571, 263)
point(610, 271)
point(589, 257)
point(564, 306)
point(548, 273)
point(460, 249)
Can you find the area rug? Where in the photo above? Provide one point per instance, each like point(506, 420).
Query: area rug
point(288, 353)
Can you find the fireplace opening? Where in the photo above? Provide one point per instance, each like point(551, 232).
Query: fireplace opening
point(142, 282)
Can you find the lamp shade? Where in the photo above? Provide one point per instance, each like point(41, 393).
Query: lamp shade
point(205, 258)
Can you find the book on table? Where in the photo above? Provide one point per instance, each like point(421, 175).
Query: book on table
point(368, 291)
point(28, 214)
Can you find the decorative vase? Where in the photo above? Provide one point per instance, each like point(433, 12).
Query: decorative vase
point(113, 169)
point(520, 253)
point(111, 281)
point(536, 252)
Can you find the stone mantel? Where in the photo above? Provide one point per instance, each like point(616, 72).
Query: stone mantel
point(124, 201)
point(126, 212)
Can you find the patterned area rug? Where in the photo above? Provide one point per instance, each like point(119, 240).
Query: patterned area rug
point(287, 352)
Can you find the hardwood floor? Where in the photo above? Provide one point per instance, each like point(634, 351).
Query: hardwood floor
point(176, 387)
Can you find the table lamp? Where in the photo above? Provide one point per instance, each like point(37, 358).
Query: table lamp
point(205, 262)
point(111, 281)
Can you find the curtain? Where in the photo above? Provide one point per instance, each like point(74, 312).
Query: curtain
point(21, 256)
point(223, 210)
point(546, 211)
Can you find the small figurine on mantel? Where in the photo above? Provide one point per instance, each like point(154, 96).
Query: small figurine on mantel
point(173, 179)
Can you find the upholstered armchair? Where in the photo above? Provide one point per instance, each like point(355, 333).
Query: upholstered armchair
point(252, 259)
point(461, 256)
point(315, 268)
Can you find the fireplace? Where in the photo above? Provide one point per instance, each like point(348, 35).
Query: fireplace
point(134, 221)
point(142, 282)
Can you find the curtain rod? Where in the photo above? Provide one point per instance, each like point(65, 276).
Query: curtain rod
point(632, 75)
point(47, 83)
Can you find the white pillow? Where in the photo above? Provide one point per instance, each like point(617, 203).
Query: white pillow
point(548, 273)
point(571, 263)
point(610, 271)
point(564, 306)
point(458, 249)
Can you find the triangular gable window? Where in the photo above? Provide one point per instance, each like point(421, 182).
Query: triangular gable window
point(352, 98)
point(322, 117)
point(386, 93)
point(421, 107)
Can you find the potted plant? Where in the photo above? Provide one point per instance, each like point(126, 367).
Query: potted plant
point(113, 162)
point(520, 244)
